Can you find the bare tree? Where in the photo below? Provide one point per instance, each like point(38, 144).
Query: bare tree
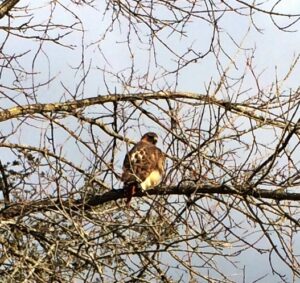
point(82, 80)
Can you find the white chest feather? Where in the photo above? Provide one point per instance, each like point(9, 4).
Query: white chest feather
point(152, 180)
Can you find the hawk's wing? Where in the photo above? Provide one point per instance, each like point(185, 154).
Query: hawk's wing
point(144, 164)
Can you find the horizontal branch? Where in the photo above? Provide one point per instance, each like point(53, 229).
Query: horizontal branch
point(21, 209)
point(72, 106)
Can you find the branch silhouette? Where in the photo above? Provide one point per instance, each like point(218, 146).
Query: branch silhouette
point(71, 107)
point(25, 208)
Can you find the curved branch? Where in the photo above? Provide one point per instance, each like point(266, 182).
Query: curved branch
point(20, 209)
point(73, 106)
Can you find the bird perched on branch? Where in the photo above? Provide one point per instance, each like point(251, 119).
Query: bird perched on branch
point(143, 166)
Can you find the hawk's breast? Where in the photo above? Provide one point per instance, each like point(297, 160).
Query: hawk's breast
point(152, 180)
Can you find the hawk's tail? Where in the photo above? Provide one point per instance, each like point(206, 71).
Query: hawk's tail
point(130, 190)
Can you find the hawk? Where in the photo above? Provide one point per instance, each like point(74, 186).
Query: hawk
point(143, 166)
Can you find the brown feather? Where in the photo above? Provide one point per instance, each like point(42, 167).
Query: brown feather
point(143, 161)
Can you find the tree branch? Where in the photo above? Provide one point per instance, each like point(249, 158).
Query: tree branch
point(6, 6)
point(72, 106)
point(25, 208)
point(4, 185)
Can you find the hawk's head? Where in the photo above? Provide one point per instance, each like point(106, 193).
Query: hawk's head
point(150, 137)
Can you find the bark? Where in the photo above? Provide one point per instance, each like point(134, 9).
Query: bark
point(21, 209)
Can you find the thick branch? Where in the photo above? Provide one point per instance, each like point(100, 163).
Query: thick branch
point(72, 106)
point(4, 185)
point(20, 209)
point(6, 6)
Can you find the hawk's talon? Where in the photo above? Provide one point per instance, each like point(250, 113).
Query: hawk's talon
point(139, 189)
